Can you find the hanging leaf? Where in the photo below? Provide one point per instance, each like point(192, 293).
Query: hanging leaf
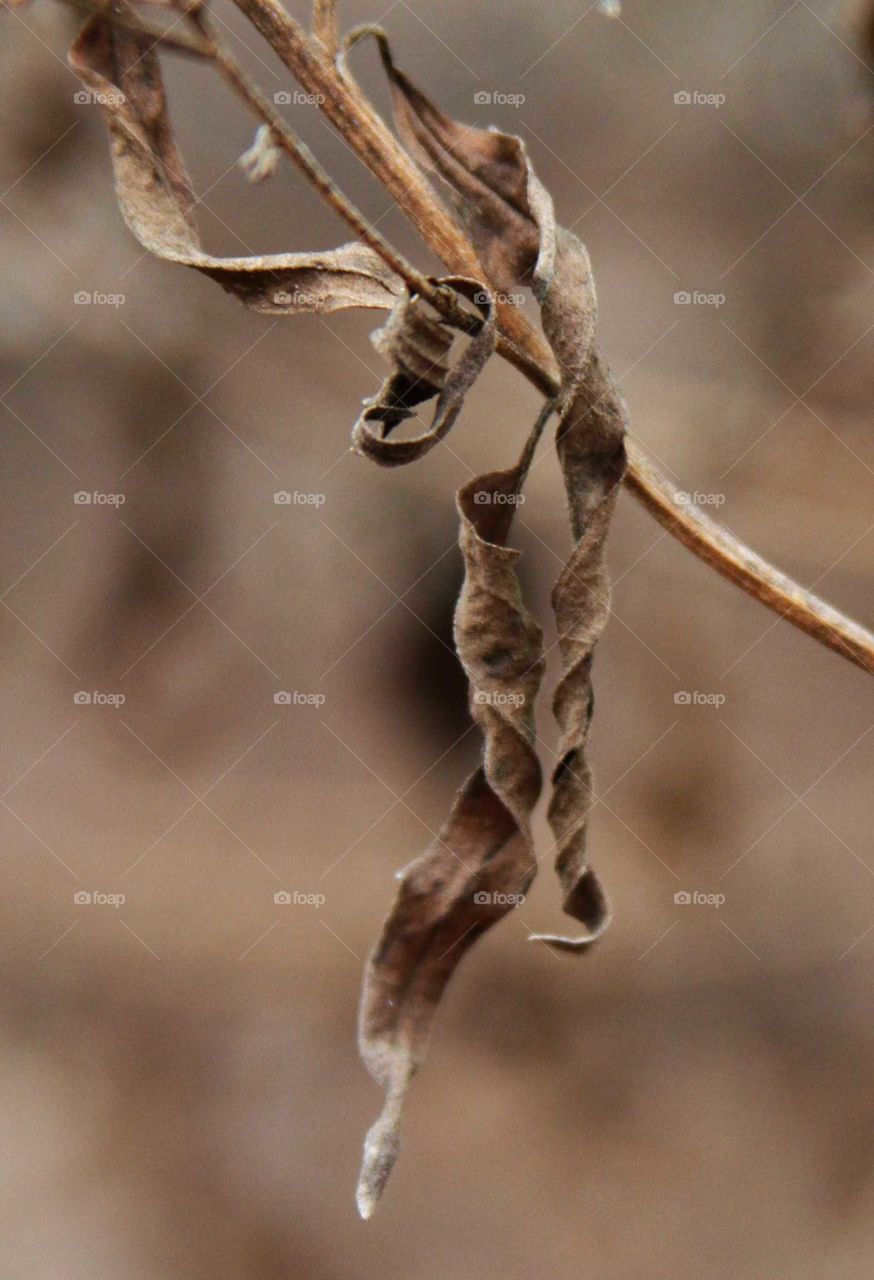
point(482, 861)
point(590, 441)
point(591, 449)
point(417, 343)
point(511, 218)
point(154, 194)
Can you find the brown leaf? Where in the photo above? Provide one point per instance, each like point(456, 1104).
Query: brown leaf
point(157, 202)
point(591, 450)
point(590, 441)
point(485, 172)
point(511, 219)
point(418, 344)
point(482, 861)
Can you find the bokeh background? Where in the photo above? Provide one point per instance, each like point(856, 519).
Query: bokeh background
point(180, 1094)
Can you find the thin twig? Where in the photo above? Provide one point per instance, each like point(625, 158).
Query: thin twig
point(724, 552)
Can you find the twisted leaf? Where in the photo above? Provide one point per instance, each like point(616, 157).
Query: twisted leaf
point(417, 343)
point(482, 861)
point(591, 449)
point(157, 202)
point(511, 219)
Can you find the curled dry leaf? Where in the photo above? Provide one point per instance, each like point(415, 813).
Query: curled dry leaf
point(511, 219)
point(482, 861)
point(157, 202)
point(590, 442)
point(417, 343)
point(591, 449)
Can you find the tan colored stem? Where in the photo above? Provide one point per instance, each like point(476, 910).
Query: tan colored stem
point(736, 561)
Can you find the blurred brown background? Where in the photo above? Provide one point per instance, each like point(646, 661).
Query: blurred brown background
point(180, 1094)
